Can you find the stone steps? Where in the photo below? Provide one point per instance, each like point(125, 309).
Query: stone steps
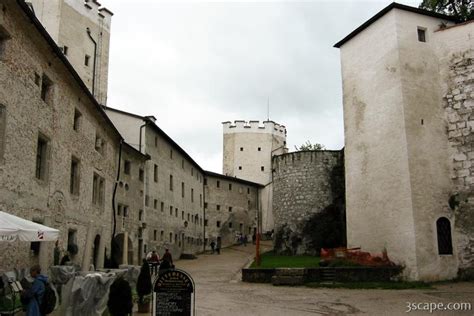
point(289, 277)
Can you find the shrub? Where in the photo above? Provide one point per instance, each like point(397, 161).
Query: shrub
point(144, 285)
point(120, 301)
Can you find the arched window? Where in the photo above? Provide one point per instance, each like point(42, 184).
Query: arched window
point(443, 229)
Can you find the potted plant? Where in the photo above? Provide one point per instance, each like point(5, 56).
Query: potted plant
point(144, 288)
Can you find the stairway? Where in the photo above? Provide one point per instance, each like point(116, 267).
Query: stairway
point(328, 275)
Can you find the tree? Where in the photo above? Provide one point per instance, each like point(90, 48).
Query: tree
point(462, 10)
point(308, 146)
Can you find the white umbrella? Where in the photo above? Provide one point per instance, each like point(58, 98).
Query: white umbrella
point(13, 228)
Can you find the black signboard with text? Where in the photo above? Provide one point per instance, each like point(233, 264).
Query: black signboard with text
point(173, 292)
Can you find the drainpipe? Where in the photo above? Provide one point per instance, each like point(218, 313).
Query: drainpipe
point(140, 136)
point(113, 201)
point(204, 213)
point(95, 60)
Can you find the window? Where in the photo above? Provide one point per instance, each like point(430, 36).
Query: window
point(162, 234)
point(259, 149)
point(218, 184)
point(182, 215)
point(205, 181)
point(218, 223)
point(230, 208)
point(99, 144)
point(74, 183)
point(230, 224)
point(125, 211)
point(200, 199)
point(155, 233)
point(443, 229)
point(119, 209)
point(126, 167)
point(171, 237)
point(77, 120)
point(241, 227)
point(86, 60)
point(147, 200)
point(162, 206)
point(98, 185)
point(230, 186)
point(171, 153)
point(3, 121)
point(156, 141)
point(248, 190)
point(176, 212)
point(155, 173)
point(65, 50)
point(262, 168)
point(218, 207)
point(155, 204)
point(192, 195)
point(188, 217)
point(171, 210)
point(205, 204)
point(205, 222)
point(182, 189)
point(241, 148)
point(72, 242)
point(171, 182)
point(141, 174)
point(421, 34)
point(42, 158)
point(46, 89)
point(240, 167)
point(140, 215)
point(182, 163)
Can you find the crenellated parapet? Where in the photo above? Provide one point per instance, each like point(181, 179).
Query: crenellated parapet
point(265, 127)
point(93, 10)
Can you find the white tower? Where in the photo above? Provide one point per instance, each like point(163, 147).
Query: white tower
point(81, 28)
point(248, 151)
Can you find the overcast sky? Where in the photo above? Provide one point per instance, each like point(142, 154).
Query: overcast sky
point(196, 64)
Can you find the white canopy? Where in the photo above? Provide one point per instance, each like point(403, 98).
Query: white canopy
point(13, 228)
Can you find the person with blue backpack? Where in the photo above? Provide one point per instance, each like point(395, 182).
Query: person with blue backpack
point(40, 298)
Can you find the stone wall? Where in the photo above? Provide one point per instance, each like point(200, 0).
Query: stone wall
point(304, 184)
point(459, 103)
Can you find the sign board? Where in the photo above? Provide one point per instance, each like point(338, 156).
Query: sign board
point(174, 290)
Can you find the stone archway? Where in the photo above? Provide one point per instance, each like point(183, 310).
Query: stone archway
point(118, 254)
point(95, 251)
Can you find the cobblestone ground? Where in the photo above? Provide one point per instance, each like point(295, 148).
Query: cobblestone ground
point(219, 291)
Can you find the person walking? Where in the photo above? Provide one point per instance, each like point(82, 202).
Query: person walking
point(218, 245)
point(34, 295)
point(155, 262)
point(167, 257)
point(213, 246)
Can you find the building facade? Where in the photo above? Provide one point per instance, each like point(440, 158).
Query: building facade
point(81, 28)
point(248, 151)
point(407, 82)
point(231, 207)
point(58, 148)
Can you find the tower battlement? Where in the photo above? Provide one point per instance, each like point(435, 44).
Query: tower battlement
point(265, 127)
point(93, 10)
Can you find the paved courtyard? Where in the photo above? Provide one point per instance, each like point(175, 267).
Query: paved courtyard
point(220, 292)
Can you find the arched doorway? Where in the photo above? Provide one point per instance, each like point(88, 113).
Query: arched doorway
point(119, 245)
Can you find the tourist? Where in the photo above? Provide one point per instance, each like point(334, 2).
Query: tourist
point(34, 296)
point(213, 245)
point(218, 245)
point(168, 258)
point(254, 238)
point(66, 259)
point(244, 240)
point(155, 262)
point(57, 253)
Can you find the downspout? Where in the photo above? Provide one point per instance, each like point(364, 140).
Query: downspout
point(113, 200)
point(204, 214)
point(95, 60)
point(140, 136)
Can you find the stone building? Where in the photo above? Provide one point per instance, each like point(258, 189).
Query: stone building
point(407, 89)
point(173, 186)
point(58, 148)
point(130, 226)
point(304, 184)
point(248, 151)
point(81, 28)
point(231, 205)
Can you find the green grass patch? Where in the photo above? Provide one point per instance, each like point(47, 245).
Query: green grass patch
point(372, 285)
point(271, 260)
